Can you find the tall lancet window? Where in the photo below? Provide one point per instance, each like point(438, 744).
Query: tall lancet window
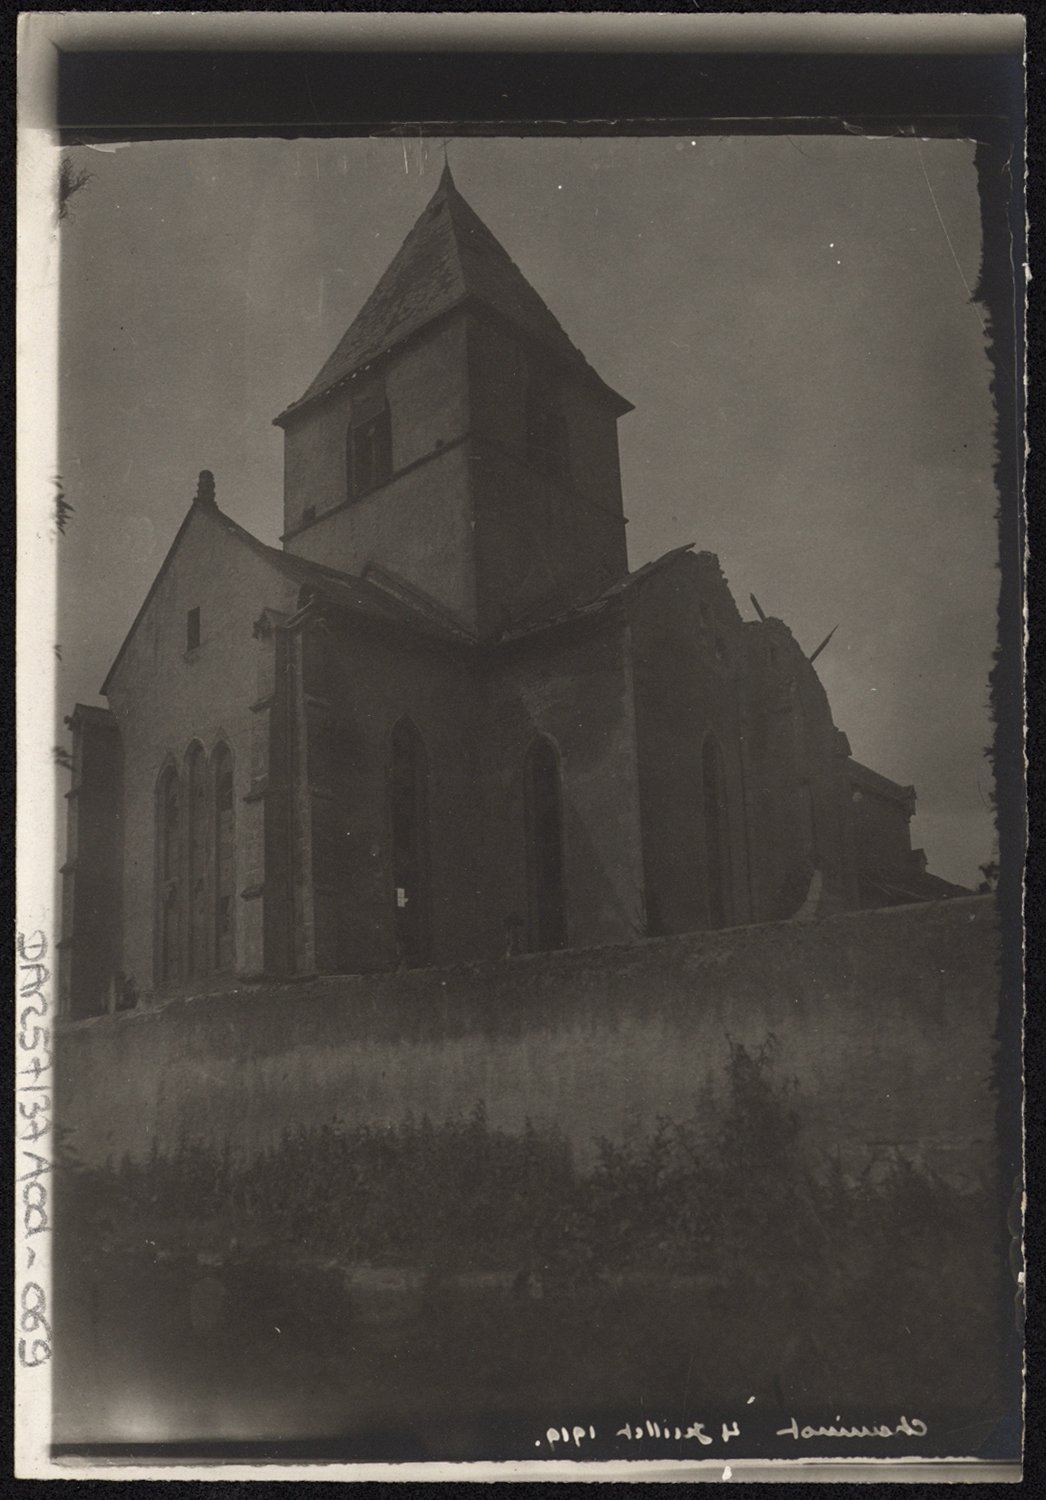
point(199, 810)
point(408, 808)
point(717, 835)
point(224, 860)
point(809, 823)
point(544, 815)
point(168, 876)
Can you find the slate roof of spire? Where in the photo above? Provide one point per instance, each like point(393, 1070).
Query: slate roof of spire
point(449, 257)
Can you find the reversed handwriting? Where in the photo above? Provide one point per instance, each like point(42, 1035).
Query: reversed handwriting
point(555, 1435)
point(914, 1428)
point(666, 1431)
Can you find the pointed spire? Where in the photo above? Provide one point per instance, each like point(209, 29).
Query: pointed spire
point(448, 258)
point(446, 180)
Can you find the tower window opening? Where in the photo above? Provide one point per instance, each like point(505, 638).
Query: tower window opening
point(192, 629)
point(369, 451)
point(544, 815)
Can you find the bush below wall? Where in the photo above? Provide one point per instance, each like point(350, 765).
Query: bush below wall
point(468, 1267)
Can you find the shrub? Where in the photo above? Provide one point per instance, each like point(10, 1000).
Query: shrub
point(731, 1195)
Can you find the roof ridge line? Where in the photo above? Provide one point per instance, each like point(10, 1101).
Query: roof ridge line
point(290, 563)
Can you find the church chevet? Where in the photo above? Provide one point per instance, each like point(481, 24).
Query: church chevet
point(445, 723)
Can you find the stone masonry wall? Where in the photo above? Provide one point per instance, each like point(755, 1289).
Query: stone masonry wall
point(885, 1018)
point(165, 698)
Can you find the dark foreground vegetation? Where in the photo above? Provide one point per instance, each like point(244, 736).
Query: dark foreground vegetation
point(466, 1290)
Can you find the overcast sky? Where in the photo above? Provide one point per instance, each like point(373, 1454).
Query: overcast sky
point(790, 317)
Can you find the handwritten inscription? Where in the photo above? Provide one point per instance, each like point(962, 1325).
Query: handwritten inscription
point(556, 1435)
point(665, 1431)
point(33, 1121)
point(914, 1428)
point(648, 1431)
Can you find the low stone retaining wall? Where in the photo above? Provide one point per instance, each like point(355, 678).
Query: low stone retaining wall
point(886, 1019)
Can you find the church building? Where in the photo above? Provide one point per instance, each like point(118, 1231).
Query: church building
point(445, 722)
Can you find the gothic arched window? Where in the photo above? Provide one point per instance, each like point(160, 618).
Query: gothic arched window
point(224, 860)
point(199, 817)
point(168, 876)
point(408, 808)
point(544, 815)
point(717, 835)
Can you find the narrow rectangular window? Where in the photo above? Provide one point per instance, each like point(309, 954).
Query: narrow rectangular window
point(369, 450)
point(192, 629)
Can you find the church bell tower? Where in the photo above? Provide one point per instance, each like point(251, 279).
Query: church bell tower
point(456, 446)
